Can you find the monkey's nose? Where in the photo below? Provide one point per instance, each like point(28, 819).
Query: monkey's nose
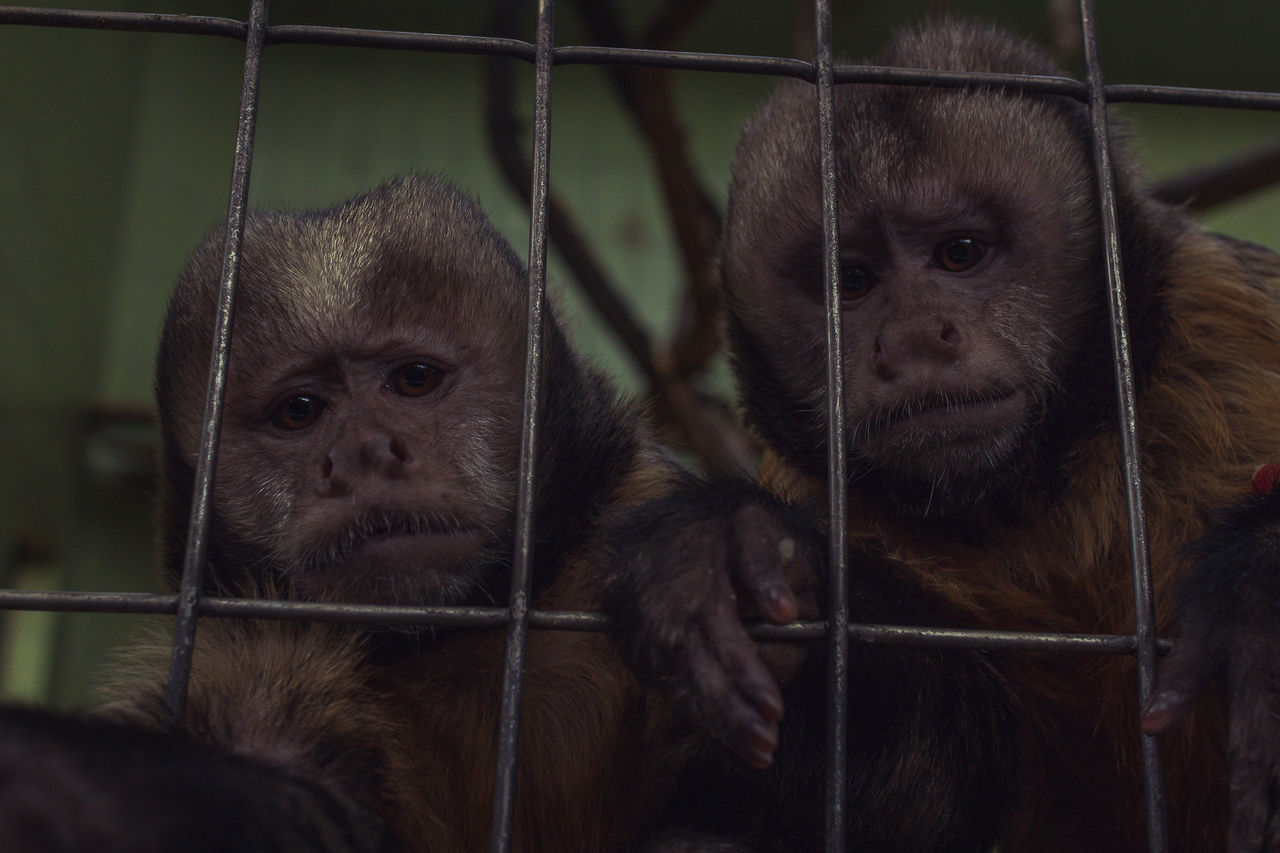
point(916, 345)
point(373, 455)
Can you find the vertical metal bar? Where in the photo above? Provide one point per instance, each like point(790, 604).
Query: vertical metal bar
point(184, 632)
point(518, 626)
point(1153, 775)
point(837, 636)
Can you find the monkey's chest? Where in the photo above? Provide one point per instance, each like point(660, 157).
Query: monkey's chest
point(579, 744)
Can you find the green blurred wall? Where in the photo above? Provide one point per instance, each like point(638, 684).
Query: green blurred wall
point(115, 155)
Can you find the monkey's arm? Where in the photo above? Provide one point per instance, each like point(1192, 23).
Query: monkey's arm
point(1229, 613)
point(688, 567)
point(84, 784)
point(932, 733)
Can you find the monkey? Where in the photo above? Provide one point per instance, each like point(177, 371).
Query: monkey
point(369, 452)
point(984, 466)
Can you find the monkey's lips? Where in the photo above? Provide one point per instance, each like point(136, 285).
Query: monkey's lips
point(419, 550)
point(941, 423)
point(396, 558)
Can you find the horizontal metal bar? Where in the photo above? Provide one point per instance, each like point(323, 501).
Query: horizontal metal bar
point(261, 608)
point(280, 34)
point(1063, 86)
point(144, 22)
point(276, 34)
point(684, 60)
point(1192, 97)
point(396, 40)
point(87, 602)
point(800, 632)
point(558, 620)
point(895, 76)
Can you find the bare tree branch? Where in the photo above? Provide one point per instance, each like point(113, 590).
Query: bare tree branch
point(671, 22)
point(505, 134)
point(1064, 30)
point(1201, 189)
point(702, 424)
point(695, 220)
point(804, 40)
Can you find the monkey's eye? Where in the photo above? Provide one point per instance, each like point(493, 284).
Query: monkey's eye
point(297, 412)
point(959, 254)
point(855, 281)
point(415, 380)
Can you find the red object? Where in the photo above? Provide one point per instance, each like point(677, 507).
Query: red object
point(1266, 479)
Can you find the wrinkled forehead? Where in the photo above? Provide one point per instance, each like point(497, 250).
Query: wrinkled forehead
point(338, 289)
point(930, 149)
point(310, 285)
point(897, 148)
point(905, 156)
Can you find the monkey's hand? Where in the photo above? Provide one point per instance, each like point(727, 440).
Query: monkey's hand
point(689, 569)
point(1230, 624)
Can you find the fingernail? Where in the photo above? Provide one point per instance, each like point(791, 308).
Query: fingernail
point(782, 604)
point(760, 760)
point(1158, 716)
point(764, 737)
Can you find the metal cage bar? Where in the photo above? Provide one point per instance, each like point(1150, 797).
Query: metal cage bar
point(184, 630)
point(189, 605)
point(518, 625)
point(280, 34)
point(560, 620)
point(1126, 393)
point(837, 495)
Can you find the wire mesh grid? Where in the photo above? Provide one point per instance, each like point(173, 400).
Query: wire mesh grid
point(189, 604)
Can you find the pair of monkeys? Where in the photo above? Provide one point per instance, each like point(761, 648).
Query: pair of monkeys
point(368, 451)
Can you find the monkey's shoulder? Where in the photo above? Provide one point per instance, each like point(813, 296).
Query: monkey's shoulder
point(1258, 262)
point(1221, 353)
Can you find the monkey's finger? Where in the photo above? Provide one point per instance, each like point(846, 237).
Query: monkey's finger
point(764, 552)
point(724, 712)
point(739, 656)
point(1182, 677)
point(1167, 708)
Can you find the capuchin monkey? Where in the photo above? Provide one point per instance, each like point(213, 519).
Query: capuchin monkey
point(369, 453)
point(985, 470)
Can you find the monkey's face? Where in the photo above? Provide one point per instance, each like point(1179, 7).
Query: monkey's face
point(375, 464)
point(949, 348)
point(370, 437)
point(967, 276)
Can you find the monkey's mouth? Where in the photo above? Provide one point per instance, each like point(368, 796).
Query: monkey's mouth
point(940, 417)
point(391, 543)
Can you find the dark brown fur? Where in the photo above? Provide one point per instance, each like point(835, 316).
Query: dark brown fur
point(1036, 538)
point(397, 729)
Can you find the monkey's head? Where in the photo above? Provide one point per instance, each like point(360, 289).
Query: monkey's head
point(371, 431)
point(971, 276)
